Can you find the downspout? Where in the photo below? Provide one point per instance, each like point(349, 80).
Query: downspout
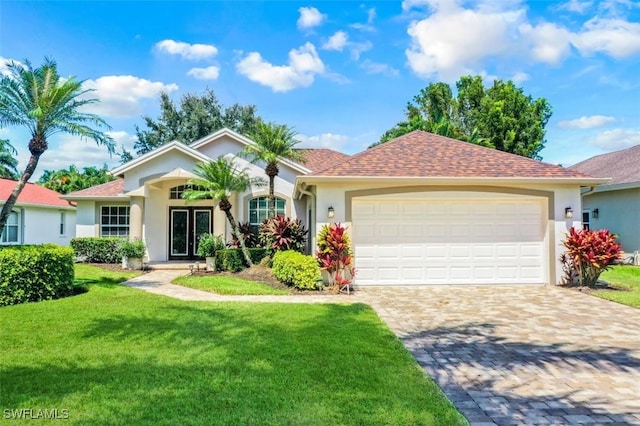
point(312, 225)
point(588, 192)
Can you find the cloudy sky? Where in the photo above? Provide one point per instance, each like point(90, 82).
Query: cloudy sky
point(341, 72)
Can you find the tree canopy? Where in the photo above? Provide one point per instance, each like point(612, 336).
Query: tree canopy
point(72, 179)
point(8, 161)
point(500, 116)
point(195, 117)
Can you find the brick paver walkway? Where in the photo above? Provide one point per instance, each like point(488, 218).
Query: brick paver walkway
point(521, 355)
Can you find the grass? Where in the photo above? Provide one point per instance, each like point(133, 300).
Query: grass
point(117, 355)
point(224, 284)
point(628, 279)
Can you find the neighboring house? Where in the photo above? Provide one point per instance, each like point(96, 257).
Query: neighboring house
point(421, 209)
point(616, 205)
point(39, 216)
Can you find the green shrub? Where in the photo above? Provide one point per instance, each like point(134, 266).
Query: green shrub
point(210, 244)
point(280, 233)
point(232, 260)
point(296, 269)
point(132, 249)
point(97, 250)
point(34, 273)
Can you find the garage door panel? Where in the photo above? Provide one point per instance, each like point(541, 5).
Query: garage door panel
point(448, 241)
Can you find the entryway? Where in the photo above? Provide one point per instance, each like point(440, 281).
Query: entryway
point(186, 226)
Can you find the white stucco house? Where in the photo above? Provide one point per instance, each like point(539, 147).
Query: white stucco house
point(39, 216)
point(615, 205)
point(421, 209)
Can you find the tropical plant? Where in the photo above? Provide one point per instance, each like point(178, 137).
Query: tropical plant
point(282, 233)
point(45, 104)
point(334, 254)
point(589, 253)
point(72, 179)
point(209, 244)
point(8, 162)
point(296, 269)
point(217, 180)
point(272, 143)
point(246, 230)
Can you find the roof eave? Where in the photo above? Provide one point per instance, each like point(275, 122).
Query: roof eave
point(121, 170)
point(615, 187)
point(309, 179)
point(48, 206)
point(121, 197)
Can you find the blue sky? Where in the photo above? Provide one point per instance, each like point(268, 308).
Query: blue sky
point(340, 73)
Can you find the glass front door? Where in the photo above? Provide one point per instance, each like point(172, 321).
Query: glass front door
point(186, 227)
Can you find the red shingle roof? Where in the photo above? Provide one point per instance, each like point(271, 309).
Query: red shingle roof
point(621, 166)
point(422, 154)
point(32, 194)
point(110, 189)
point(320, 159)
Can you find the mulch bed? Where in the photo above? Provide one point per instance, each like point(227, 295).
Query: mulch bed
point(600, 286)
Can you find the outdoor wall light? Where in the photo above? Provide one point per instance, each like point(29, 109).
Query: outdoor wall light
point(595, 213)
point(568, 212)
point(331, 212)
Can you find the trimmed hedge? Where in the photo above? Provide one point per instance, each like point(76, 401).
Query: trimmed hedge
point(34, 273)
point(296, 269)
point(232, 260)
point(97, 249)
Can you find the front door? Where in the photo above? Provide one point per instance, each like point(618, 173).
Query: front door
point(186, 227)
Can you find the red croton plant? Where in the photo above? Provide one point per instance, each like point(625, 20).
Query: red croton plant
point(334, 254)
point(589, 253)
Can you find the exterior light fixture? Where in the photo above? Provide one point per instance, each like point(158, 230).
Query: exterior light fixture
point(568, 212)
point(595, 213)
point(331, 212)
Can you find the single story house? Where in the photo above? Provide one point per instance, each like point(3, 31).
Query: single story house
point(39, 216)
point(615, 205)
point(421, 209)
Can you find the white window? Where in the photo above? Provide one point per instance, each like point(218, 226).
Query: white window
point(10, 234)
point(114, 221)
point(63, 224)
point(259, 210)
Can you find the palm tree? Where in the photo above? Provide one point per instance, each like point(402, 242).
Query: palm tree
point(273, 142)
point(217, 180)
point(44, 103)
point(8, 162)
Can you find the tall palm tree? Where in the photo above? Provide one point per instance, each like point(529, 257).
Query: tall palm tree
point(46, 104)
point(273, 142)
point(8, 162)
point(217, 180)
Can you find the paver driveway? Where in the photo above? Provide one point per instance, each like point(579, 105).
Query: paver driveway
point(521, 355)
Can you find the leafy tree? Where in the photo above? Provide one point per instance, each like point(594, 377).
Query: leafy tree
point(500, 116)
point(8, 162)
point(45, 104)
point(273, 142)
point(217, 180)
point(72, 179)
point(195, 118)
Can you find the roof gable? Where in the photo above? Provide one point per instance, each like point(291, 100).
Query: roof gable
point(110, 189)
point(158, 152)
point(621, 166)
point(32, 194)
point(422, 154)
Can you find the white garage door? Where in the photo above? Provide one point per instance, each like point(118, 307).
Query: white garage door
point(462, 240)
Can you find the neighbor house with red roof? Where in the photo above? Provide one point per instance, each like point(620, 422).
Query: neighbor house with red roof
point(616, 205)
point(420, 209)
point(39, 216)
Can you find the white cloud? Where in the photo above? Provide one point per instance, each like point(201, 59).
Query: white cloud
point(123, 139)
point(304, 64)
point(208, 73)
point(324, 140)
point(337, 41)
point(439, 47)
point(577, 6)
point(613, 140)
point(586, 122)
point(550, 41)
point(411, 4)
point(310, 17)
point(4, 62)
point(120, 95)
point(614, 37)
point(186, 50)
point(371, 15)
point(371, 67)
point(357, 49)
point(520, 77)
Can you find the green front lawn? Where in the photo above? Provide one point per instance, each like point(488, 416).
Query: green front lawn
point(117, 355)
point(224, 284)
point(625, 277)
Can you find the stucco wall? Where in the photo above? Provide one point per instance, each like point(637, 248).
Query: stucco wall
point(619, 212)
point(42, 225)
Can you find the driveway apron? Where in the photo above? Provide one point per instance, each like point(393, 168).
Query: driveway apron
point(521, 354)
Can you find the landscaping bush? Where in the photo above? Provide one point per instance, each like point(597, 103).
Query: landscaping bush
point(296, 269)
point(97, 250)
point(334, 254)
point(132, 249)
point(589, 253)
point(232, 260)
point(34, 273)
point(282, 233)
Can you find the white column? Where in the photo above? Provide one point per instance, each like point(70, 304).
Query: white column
point(136, 214)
